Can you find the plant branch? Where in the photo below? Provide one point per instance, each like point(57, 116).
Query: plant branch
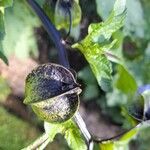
point(81, 124)
point(99, 140)
point(37, 143)
point(43, 146)
point(53, 33)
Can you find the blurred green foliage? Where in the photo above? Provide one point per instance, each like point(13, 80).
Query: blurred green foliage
point(91, 90)
point(14, 132)
point(119, 144)
point(3, 4)
point(117, 49)
point(19, 25)
point(4, 89)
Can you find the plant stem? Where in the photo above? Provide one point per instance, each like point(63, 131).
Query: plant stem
point(81, 124)
point(53, 33)
point(43, 146)
point(99, 140)
point(37, 143)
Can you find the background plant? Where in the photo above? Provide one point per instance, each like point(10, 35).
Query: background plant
point(115, 56)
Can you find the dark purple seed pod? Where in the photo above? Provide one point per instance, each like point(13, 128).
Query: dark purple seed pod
point(52, 92)
point(140, 106)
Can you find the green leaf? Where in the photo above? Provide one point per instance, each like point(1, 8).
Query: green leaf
point(141, 67)
point(124, 87)
point(41, 2)
point(106, 146)
point(70, 131)
point(115, 98)
point(125, 81)
point(21, 40)
point(2, 56)
point(91, 90)
point(98, 41)
point(14, 132)
point(123, 142)
point(3, 5)
point(104, 8)
point(6, 3)
point(49, 9)
point(142, 140)
point(4, 89)
point(2, 33)
point(120, 143)
point(74, 139)
point(146, 7)
point(53, 129)
point(2, 30)
point(136, 23)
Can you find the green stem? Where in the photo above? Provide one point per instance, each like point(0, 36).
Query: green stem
point(43, 146)
point(81, 124)
point(41, 140)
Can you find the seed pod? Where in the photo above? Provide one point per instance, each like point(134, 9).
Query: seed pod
point(52, 92)
point(67, 12)
point(139, 107)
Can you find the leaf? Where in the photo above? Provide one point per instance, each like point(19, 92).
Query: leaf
point(146, 11)
point(120, 143)
point(136, 23)
point(53, 129)
point(74, 139)
point(116, 98)
point(2, 30)
point(91, 90)
point(2, 56)
point(14, 132)
point(3, 5)
point(124, 87)
point(98, 41)
point(2, 33)
point(6, 3)
point(142, 140)
point(104, 7)
point(21, 40)
point(141, 67)
point(41, 2)
point(4, 89)
point(125, 81)
point(70, 131)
